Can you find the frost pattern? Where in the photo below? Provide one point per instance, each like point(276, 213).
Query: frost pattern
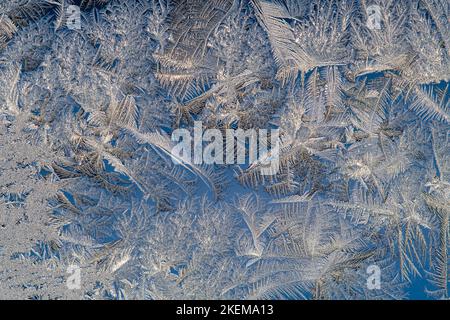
point(85, 123)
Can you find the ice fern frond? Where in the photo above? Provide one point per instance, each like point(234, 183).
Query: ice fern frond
point(9, 93)
point(125, 113)
point(186, 65)
point(288, 54)
point(440, 275)
point(163, 145)
point(431, 104)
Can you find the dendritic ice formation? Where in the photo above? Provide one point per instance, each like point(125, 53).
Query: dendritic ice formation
point(93, 207)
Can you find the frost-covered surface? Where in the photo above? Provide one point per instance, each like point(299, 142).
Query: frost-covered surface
point(365, 154)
